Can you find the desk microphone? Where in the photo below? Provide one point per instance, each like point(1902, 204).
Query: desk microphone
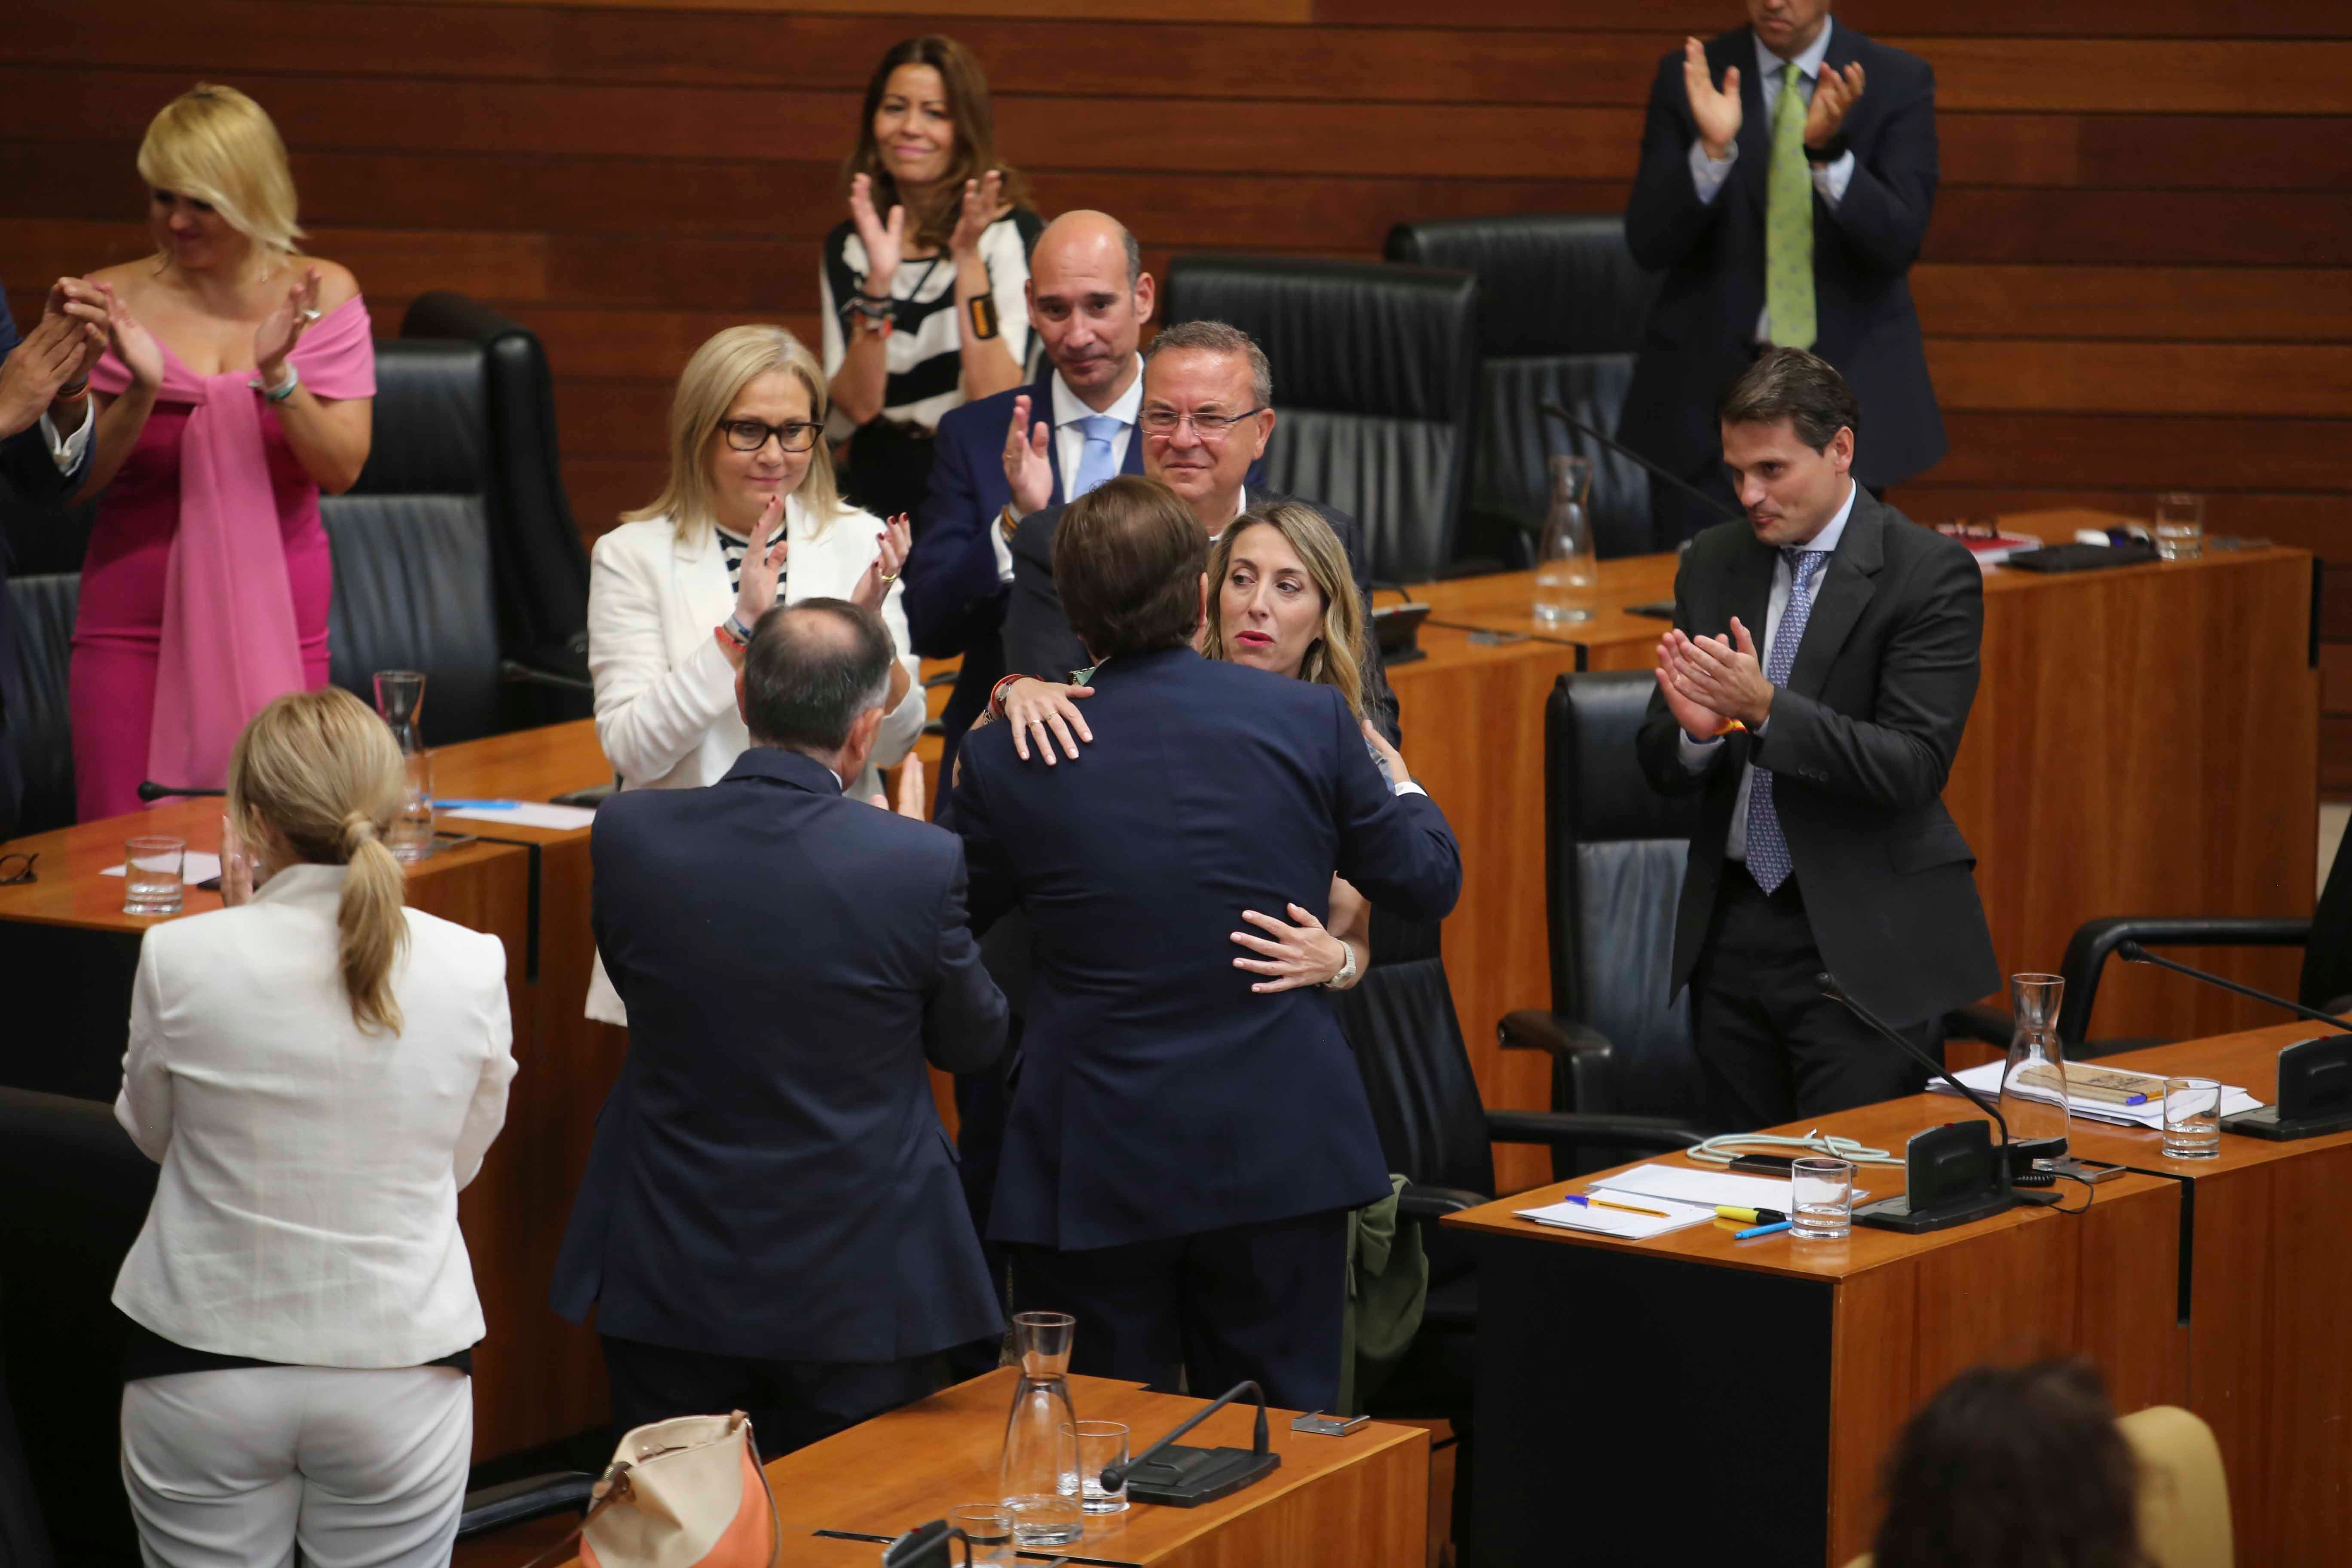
point(1712, 503)
point(1169, 1472)
point(2314, 1077)
point(514, 670)
point(150, 790)
point(2132, 953)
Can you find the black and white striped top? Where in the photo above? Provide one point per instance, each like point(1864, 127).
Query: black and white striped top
point(924, 348)
point(732, 548)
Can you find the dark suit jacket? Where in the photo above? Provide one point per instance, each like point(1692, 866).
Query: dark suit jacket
point(770, 1178)
point(1702, 328)
point(955, 603)
point(1037, 637)
point(28, 475)
point(1160, 1095)
point(1860, 744)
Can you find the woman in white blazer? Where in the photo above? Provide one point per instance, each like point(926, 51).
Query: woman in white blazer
point(695, 568)
point(318, 1070)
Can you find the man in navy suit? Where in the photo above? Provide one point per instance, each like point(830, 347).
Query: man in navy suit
point(1797, 230)
point(1207, 414)
point(45, 443)
point(1088, 299)
point(1181, 1150)
point(770, 1219)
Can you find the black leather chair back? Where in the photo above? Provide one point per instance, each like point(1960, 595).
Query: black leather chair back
point(414, 578)
point(80, 1191)
point(1614, 856)
point(2327, 956)
point(1561, 303)
point(41, 616)
point(1375, 378)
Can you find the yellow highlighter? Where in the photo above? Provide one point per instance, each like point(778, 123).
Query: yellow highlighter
point(1749, 1216)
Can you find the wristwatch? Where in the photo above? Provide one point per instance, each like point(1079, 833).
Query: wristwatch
point(1830, 152)
point(1347, 975)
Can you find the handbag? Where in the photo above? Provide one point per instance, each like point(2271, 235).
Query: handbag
point(682, 1493)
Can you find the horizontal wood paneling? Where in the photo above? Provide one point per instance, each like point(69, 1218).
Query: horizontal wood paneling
point(2137, 303)
point(2120, 452)
point(2142, 378)
point(2197, 19)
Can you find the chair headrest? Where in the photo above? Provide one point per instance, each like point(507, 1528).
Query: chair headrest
point(1600, 791)
point(1549, 283)
point(1357, 336)
point(430, 412)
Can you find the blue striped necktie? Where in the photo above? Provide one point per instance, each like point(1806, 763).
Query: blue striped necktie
point(1767, 848)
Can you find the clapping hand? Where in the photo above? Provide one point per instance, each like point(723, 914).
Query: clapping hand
point(1833, 96)
point(89, 306)
point(911, 789)
point(1708, 680)
point(1717, 111)
point(1027, 468)
point(237, 866)
point(43, 362)
point(982, 199)
point(892, 546)
point(763, 563)
point(284, 326)
point(134, 345)
point(884, 243)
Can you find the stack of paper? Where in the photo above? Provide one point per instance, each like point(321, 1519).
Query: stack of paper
point(519, 812)
point(2096, 1093)
point(1626, 1223)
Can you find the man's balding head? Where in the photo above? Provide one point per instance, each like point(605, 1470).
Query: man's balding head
point(812, 672)
point(1089, 298)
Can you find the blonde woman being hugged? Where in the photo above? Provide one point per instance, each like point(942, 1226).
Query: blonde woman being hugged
point(751, 518)
point(318, 1070)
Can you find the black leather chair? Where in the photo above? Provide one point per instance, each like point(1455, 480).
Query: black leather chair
point(1375, 378)
point(42, 612)
point(1561, 303)
point(80, 1191)
point(1614, 850)
point(1400, 1022)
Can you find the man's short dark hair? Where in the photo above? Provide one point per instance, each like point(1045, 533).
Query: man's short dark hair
point(812, 668)
point(1802, 388)
point(1128, 558)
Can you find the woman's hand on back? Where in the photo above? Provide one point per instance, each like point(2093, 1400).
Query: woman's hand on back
point(1291, 956)
point(1390, 759)
point(1051, 710)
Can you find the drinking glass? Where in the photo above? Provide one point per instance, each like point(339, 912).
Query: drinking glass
point(2179, 526)
point(1567, 579)
point(151, 875)
point(1100, 1443)
point(1820, 1200)
point(989, 1527)
point(2192, 1119)
point(400, 698)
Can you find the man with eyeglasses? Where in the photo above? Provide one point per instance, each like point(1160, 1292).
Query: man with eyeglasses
point(1207, 414)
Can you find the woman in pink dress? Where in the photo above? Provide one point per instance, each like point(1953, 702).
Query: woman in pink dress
point(238, 384)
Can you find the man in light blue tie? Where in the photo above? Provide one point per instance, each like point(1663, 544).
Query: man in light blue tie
point(1009, 455)
point(1815, 689)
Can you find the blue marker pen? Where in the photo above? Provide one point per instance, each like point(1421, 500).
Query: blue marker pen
point(1754, 1231)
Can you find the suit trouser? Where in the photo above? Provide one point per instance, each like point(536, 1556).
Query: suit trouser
point(791, 1404)
point(1260, 1301)
point(1772, 1048)
point(358, 1468)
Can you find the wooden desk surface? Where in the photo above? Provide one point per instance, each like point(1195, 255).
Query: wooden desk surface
point(528, 764)
point(2249, 1060)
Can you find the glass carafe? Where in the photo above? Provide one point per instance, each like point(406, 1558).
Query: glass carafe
point(1568, 580)
point(2033, 1084)
point(1039, 1452)
point(400, 697)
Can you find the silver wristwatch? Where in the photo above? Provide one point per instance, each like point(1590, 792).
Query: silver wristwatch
point(1347, 975)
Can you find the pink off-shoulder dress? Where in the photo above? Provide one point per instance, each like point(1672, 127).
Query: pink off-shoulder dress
point(205, 589)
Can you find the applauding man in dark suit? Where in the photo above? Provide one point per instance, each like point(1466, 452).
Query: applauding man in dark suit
point(1182, 1150)
point(771, 1220)
point(1788, 173)
point(1817, 681)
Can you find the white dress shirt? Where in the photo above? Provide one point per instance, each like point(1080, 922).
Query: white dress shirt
point(1831, 179)
point(1070, 447)
point(307, 1209)
point(1697, 754)
point(66, 451)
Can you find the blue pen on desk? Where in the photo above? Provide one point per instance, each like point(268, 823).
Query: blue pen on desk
point(477, 804)
point(1754, 1231)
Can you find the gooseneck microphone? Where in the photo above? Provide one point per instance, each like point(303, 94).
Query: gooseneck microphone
point(2132, 953)
point(1877, 1025)
point(1168, 1472)
point(1713, 503)
point(150, 790)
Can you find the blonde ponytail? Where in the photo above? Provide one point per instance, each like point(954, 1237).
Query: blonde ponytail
point(318, 770)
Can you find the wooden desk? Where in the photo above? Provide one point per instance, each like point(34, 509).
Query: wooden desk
point(1618, 1381)
point(1361, 1499)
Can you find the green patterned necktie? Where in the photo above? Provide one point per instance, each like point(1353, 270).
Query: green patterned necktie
point(1789, 221)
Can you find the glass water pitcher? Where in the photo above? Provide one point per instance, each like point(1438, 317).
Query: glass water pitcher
point(400, 698)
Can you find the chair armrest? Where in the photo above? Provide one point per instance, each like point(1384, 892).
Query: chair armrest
point(2087, 951)
point(1977, 1022)
point(515, 669)
point(493, 1509)
point(1576, 1127)
point(1539, 1029)
point(1417, 1202)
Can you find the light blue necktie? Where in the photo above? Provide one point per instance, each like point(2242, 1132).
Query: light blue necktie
point(1768, 850)
point(1096, 467)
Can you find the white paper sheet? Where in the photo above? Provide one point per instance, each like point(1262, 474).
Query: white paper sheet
point(1620, 1223)
point(1985, 1079)
point(195, 865)
point(1683, 1185)
point(525, 814)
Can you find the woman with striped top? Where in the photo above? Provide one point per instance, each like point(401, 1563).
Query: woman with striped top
point(923, 286)
point(750, 519)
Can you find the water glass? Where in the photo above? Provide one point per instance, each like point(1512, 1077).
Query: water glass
point(1100, 1443)
point(1821, 1199)
point(151, 875)
point(989, 1527)
point(411, 839)
point(1046, 1520)
point(2179, 526)
point(2192, 1119)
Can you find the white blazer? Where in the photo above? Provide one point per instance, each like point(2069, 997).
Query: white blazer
point(307, 1210)
point(666, 712)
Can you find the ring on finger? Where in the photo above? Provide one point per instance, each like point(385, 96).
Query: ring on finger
point(310, 315)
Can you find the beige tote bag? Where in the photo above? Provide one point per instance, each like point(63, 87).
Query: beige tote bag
point(682, 1493)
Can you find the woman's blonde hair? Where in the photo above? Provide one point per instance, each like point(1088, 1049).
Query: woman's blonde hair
point(713, 379)
point(1336, 658)
point(216, 144)
point(321, 770)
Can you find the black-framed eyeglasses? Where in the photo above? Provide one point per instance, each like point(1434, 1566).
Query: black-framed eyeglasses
point(17, 869)
point(750, 435)
point(1210, 428)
